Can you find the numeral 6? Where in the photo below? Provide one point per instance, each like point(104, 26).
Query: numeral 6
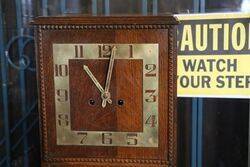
point(106, 138)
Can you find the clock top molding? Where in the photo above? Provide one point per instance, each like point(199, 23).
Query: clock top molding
point(105, 22)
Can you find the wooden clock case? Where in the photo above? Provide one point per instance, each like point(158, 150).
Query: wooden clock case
point(108, 29)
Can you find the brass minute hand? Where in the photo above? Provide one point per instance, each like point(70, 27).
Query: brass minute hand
point(110, 69)
point(97, 84)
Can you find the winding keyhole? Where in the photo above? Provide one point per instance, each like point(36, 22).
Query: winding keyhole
point(120, 102)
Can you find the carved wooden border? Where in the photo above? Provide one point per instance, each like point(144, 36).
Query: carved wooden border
point(172, 90)
point(172, 116)
point(41, 84)
point(105, 26)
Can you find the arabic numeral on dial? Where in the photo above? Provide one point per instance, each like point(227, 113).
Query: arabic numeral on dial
point(130, 51)
point(78, 51)
point(104, 51)
point(62, 95)
point(83, 136)
point(63, 120)
point(132, 139)
point(106, 138)
point(151, 70)
point(151, 96)
point(151, 120)
point(61, 70)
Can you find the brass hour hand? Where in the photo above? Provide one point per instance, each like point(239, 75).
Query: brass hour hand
point(92, 77)
point(97, 84)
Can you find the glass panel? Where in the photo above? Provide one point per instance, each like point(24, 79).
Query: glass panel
point(184, 111)
point(176, 6)
point(226, 121)
point(161, 6)
point(78, 6)
point(125, 7)
point(226, 132)
point(22, 96)
point(226, 5)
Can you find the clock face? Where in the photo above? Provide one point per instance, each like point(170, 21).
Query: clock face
point(106, 94)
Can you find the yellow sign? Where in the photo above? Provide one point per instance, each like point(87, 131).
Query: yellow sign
point(214, 55)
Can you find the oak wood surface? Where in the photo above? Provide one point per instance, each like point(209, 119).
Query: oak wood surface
point(126, 85)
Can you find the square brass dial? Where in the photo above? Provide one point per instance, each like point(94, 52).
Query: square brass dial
point(77, 98)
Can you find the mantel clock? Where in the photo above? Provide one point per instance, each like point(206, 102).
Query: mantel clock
point(107, 90)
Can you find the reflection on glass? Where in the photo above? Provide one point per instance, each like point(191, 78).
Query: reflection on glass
point(176, 6)
point(125, 7)
point(223, 6)
point(245, 6)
